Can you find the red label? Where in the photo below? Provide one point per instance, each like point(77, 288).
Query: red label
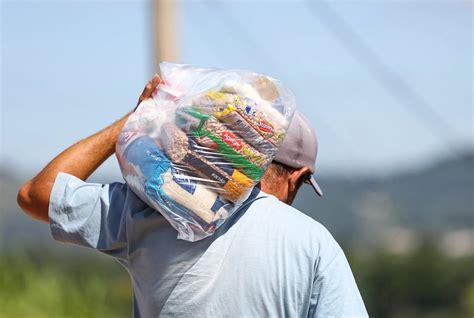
point(207, 142)
point(265, 126)
point(231, 140)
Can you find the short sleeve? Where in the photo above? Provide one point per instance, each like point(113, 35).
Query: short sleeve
point(89, 214)
point(335, 292)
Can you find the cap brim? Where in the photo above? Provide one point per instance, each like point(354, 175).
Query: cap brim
point(315, 186)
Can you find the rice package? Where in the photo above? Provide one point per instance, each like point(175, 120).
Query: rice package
point(196, 149)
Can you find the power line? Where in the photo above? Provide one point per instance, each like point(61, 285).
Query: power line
point(393, 83)
point(253, 45)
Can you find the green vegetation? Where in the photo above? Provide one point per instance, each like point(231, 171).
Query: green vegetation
point(40, 285)
point(423, 284)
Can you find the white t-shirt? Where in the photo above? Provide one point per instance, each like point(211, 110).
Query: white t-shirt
point(267, 260)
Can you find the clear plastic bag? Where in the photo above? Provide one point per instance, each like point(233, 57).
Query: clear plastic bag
point(196, 149)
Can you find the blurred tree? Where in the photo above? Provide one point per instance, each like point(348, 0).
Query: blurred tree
point(35, 284)
point(423, 284)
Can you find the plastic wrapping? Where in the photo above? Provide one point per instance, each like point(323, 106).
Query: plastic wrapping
point(195, 150)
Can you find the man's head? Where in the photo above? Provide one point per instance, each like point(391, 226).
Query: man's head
point(294, 162)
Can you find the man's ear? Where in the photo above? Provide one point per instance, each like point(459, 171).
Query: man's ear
point(295, 176)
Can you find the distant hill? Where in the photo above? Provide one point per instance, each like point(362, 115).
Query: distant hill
point(427, 203)
point(364, 212)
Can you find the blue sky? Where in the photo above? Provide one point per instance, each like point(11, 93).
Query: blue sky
point(70, 68)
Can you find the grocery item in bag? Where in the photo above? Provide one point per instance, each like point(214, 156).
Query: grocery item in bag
point(195, 150)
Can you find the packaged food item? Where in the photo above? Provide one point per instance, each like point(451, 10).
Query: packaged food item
point(180, 150)
point(196, 149)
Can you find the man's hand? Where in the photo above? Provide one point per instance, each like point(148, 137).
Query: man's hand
point(149, 88)
point(80, 160)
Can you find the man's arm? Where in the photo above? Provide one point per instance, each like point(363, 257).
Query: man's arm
point(79, 160)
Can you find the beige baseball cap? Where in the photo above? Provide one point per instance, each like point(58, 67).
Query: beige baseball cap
point(300, 148)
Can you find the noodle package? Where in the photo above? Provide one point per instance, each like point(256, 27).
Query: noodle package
point(195, 150)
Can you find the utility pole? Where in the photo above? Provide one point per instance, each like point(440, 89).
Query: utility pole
point(165, 31)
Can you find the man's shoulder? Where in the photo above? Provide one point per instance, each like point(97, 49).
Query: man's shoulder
point(286, 221)
point(268, 206)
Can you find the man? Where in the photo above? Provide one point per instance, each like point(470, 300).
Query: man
point(267, 260)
